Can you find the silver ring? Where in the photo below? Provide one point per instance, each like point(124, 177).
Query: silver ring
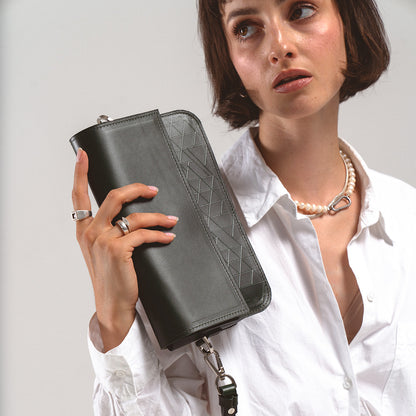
point(80, 214)
point(124, 225)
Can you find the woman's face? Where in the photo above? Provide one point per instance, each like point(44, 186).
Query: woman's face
point(289, 54)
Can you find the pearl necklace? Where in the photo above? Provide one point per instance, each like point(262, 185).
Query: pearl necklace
point(314, 211)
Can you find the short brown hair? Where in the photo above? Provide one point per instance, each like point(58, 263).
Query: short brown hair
point(366, 44)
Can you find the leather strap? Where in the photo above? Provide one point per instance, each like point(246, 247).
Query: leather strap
point(228, 399)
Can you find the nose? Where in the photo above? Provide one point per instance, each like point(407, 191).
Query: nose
point(282, 44)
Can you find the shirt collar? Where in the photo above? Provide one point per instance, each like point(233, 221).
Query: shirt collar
point(258, 189)
point(255, 185)
point(372, 210)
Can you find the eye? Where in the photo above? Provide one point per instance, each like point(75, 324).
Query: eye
point(244, 30)
point(302, 11)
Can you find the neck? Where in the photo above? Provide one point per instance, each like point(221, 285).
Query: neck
point(304, 154)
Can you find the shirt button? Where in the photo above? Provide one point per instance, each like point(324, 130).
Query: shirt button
point(347, 383)
point(370, 297)
point(120, 373)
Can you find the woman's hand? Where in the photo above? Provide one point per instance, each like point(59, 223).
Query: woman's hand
point(108, 252)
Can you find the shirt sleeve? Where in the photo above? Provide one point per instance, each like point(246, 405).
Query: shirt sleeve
point(132, 379)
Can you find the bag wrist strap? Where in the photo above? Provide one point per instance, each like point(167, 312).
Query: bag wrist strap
point(226, 386)
point(228, 399)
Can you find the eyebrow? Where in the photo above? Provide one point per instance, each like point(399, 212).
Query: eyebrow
point(247, 10)
point(241, 12)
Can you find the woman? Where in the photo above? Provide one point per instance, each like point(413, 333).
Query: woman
point(339, 337)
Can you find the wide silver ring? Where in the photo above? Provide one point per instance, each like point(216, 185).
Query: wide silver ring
point(80, 214)
point(124, 225)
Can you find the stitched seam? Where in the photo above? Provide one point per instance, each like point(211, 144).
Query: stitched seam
point(209, 322)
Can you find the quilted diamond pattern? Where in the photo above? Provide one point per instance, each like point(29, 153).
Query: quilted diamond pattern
point(201, 172)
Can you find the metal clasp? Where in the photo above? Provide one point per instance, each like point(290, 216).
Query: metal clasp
point(211, 357)
point(337, 200)
point(103, 119)
point(213, 360)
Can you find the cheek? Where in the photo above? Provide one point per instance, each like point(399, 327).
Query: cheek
point(248, 61)
point(248, 69)
point(338, 47)
point(330, 44)
point(326, 52)
point(243, 64)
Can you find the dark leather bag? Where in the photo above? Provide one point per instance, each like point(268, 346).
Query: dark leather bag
point(208, 278)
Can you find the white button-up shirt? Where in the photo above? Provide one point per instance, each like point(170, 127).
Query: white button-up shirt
point(293, 358)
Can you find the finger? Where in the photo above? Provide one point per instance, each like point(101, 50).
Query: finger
point(145, 236)
point(80, 198)
point(144, 220)
point(116, 198)
point(122, 248)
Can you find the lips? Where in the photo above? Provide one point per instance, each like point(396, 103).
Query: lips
point(291, 80)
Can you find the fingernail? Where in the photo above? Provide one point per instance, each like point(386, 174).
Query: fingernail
point(173, 218)
point(171, 235)
point(154, 188)
point(79, 152)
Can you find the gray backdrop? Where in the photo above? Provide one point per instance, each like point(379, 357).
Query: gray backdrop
point(63, 64)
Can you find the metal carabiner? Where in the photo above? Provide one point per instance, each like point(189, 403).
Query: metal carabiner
point(216, 366)
point(336, 201)
point(211, 357)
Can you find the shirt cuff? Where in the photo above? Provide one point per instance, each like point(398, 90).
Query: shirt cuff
point(127, 368)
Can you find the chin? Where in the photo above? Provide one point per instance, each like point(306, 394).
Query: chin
point(303, 106)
